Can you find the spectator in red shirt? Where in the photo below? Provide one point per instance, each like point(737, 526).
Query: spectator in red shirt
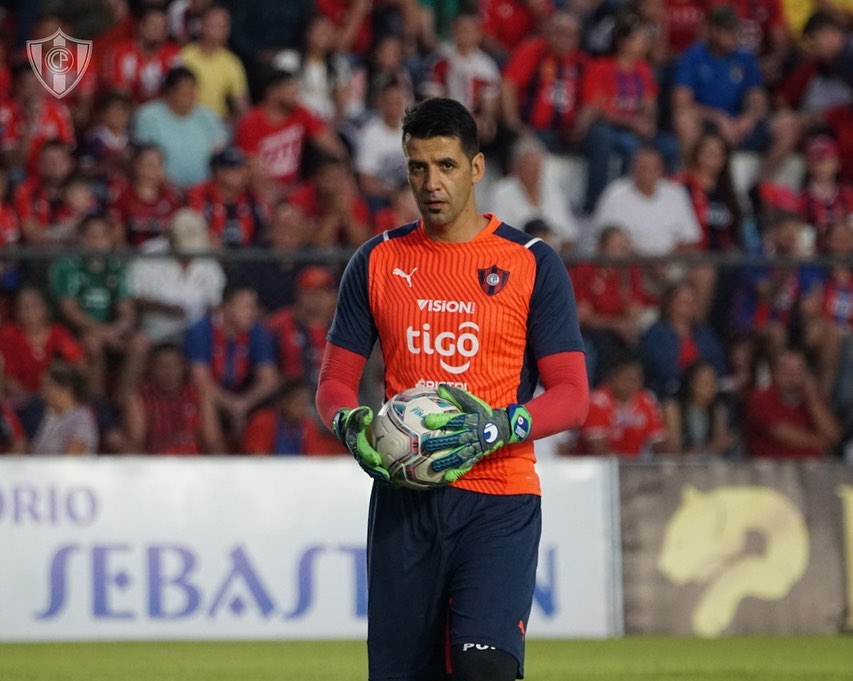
point(352, 19)
point(541, 85)
point(624, 418)
point(612, 302)
point(31, 342)
point(790, 418)
point(331, 198)
point(169, 414)
point(507, 23)
point(290, 427)
point(235, 216)
point(30, 119)
point(684, 20)
point(40, 199)
point(274, 133)
point(142, 209)
point(300, 330)
point(824, 200)
point(138, 66)
point(619, 112)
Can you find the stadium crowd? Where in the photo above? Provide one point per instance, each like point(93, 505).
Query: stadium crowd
point(641, 138)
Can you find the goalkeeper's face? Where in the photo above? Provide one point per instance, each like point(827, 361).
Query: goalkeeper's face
point(442, 178)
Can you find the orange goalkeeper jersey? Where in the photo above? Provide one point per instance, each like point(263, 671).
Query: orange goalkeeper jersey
point(477, 314)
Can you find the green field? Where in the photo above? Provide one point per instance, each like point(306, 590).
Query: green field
point(661, 659)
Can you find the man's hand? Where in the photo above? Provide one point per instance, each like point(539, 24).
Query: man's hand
point(350, 427)
point(478, 431)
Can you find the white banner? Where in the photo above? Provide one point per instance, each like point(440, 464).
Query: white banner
point(142, 548)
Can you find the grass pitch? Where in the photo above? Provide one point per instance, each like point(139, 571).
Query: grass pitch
point(629, 659)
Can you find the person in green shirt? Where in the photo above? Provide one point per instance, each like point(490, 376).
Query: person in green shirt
point(92, 295)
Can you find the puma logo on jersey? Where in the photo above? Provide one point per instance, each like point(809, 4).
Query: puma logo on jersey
point(407, 276)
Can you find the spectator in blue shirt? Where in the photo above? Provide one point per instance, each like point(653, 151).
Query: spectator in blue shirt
point(719, 87)
point(677, 340)
point(232, 357)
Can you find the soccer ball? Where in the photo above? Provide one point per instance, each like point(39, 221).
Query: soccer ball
point(397, 432)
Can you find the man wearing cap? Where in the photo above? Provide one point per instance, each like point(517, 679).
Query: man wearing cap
point(235, 216)
point(176, 290)
point(719, 86)
point(301, 329)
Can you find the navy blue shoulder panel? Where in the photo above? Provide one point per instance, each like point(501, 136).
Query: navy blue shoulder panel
point(553, 321)
point(353, 327)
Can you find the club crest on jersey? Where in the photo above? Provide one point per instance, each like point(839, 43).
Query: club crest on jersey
point(492, 279)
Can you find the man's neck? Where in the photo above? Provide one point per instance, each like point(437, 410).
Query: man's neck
point(464, 228)
point(208, 47)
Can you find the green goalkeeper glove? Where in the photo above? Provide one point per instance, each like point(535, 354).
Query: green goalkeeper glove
point(478, 431)
point(350, 427)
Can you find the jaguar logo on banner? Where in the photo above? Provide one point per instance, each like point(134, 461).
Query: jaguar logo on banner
point(727, 549)
point(704, 544)
point(59, 61)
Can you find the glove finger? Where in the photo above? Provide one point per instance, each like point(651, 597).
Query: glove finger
point(459, 457)
point(366, 452)
point(464, 400)
point(436, 443)
point(439, 421)
point(448, 421)
point(446, 392)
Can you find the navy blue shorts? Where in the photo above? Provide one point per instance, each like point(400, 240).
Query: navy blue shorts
point(447, 567)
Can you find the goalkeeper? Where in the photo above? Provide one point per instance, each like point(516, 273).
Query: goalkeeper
point(465, 302)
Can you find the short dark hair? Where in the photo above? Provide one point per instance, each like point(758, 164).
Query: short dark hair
point(235, 288)
point(177, 75)
point(276, 77)
point(140, 150)
point(819, 21)
point(164, 347)
point(442, 117)
point(70, 377)
point(54, 143)
point(114, 97)
point(91, 218)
